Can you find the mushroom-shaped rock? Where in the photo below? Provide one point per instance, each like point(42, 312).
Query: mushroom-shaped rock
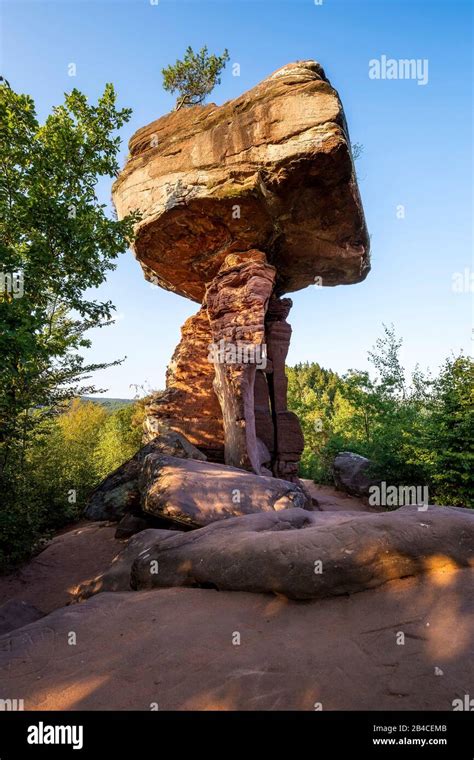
point(271, 170)
point(239, 204)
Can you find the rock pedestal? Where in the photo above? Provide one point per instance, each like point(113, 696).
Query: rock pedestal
point(189, 404)
point(288, 437)
point(226, 384)
point(236, 302)
point(239, 205)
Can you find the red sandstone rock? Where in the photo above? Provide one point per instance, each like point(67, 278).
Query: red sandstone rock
point(194, 493)
point(262, 411)
point(118, 495)
point(220, 190)
point(270, 170)
point(174, 646)
point(288, 440)
point(189, 404)
point(236, 302)
point(277, 551)
point(227, 382)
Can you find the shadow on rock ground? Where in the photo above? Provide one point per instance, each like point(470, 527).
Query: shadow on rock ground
point(177, 647)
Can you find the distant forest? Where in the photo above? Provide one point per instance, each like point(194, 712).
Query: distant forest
point(112, 404)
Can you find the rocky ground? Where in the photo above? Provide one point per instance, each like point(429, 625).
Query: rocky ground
point(49, 579)
point(82, 552)
point(405, 644)
point(175, 647)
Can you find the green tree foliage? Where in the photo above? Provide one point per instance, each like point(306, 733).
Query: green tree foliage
point(68, 455)
point(450, 438)
point(61, 460)
point(312, 393)
point(418, 432)
point(120, 438)
point(194, 77)
point(58, 237)
point(385, 414)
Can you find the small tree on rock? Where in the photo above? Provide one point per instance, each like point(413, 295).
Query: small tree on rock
point(194, 77)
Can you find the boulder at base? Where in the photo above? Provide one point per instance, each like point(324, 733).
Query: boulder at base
point(352, 473)
point(118, 494)
point(300, 554)
point(117, 576)
point(198, 493)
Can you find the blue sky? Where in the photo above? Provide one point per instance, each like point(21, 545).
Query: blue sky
point(417, 153)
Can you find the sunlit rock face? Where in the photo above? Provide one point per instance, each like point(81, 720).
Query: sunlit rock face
point(189, 404)
point(240, 204)
point(270, 170)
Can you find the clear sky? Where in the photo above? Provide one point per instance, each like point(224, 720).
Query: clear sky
point(417, 153)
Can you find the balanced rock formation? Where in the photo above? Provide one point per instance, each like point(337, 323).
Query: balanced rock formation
point(240, 204)
point(270, 170)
